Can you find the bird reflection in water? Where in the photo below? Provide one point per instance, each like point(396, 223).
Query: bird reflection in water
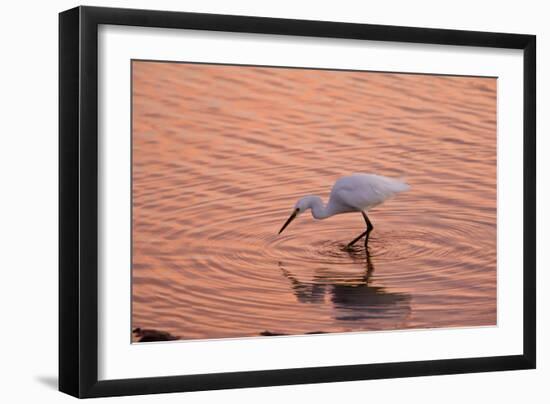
point(352, 296)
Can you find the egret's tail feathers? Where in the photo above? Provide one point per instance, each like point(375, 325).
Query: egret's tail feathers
point(403, 186)
point(369, 190)
point(397, 185)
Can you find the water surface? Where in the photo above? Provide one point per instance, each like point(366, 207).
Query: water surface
point(221, 154)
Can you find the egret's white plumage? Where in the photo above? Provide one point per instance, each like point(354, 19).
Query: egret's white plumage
point(353, 193)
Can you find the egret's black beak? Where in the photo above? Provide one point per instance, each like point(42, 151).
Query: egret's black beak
point(290, 219)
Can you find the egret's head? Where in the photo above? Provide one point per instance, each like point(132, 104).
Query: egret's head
point(301, 206)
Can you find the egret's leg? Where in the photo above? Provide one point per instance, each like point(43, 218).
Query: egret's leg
point(356, 239)
point(370, 227)
point(365, 233)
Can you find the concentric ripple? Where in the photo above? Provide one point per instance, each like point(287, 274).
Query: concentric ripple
point(221, 154)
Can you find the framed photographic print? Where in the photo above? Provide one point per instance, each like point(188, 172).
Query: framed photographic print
point(250, 201)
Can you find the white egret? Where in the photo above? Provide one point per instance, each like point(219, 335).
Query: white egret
point(353, 193)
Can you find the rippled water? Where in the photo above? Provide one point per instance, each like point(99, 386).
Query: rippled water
point(221, 154)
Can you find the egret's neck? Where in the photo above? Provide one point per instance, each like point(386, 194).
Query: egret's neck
point(318, 208)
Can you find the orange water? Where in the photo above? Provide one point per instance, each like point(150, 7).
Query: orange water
point(222, 153)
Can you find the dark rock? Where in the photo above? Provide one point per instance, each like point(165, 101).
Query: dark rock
point(270, 334)
point(148, 335)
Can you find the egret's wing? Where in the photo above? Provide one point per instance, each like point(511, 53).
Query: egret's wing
point(341, 198)
point(361, 198)
point(364, 191)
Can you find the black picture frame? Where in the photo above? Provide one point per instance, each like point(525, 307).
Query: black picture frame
point(78, 201)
